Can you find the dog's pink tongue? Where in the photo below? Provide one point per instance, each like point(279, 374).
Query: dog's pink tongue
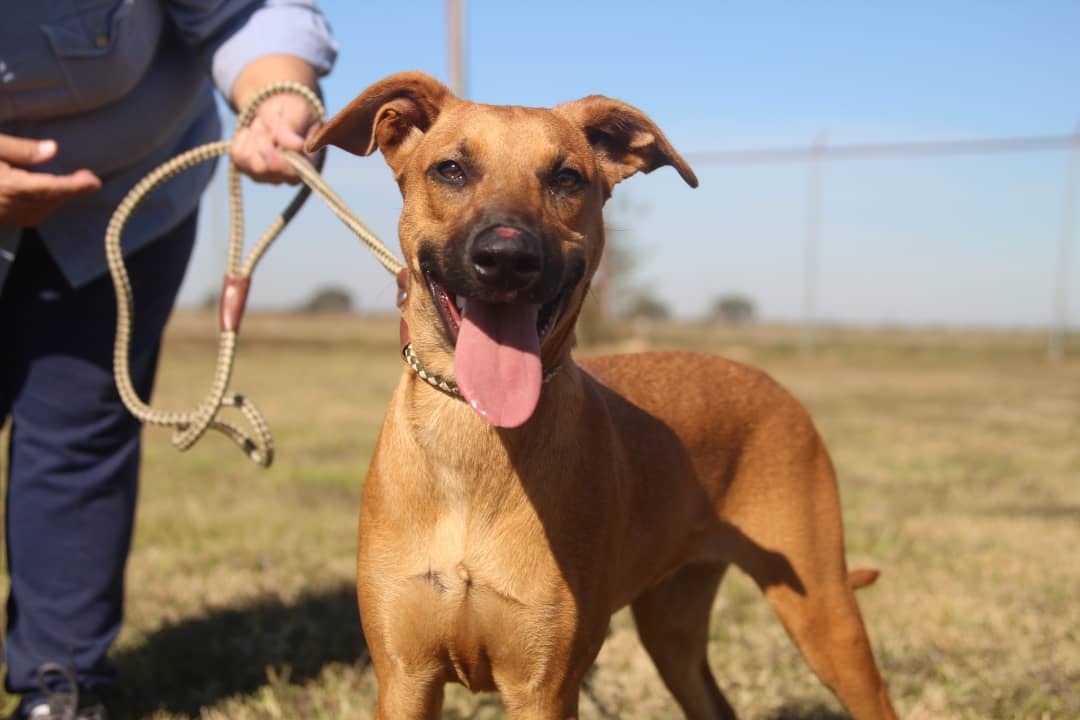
point(497, 361)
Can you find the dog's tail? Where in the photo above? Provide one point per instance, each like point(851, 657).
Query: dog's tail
point(861, 577)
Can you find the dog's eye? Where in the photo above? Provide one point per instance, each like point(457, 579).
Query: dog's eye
point(567, 179)
point(450, 171)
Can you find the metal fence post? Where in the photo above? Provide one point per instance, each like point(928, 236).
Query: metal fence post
point(455, 21)
point(807, 339)
point(1060, 325)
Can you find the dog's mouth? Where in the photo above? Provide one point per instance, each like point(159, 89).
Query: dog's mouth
point(452, 308)
point(497, 350)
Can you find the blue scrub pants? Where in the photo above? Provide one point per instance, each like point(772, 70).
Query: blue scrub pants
point(73, 458)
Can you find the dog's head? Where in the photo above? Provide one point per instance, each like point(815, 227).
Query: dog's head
point(502, 222)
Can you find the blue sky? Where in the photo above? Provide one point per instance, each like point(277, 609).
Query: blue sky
point(954, 240)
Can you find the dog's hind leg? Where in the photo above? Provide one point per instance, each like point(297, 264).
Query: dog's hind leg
point(825, 622)
point(794, 551)
point(673, 623)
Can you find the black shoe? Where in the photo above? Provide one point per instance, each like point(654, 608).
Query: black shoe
point(66, 704)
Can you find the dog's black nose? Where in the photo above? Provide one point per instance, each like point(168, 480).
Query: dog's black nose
point(506, 258)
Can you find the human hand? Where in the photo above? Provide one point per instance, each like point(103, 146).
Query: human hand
point(27, 198)
point(282, 122)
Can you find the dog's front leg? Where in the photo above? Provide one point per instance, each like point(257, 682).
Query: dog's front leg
point(541, 704)
point(405, 697)
point(407, 663)
point(552, 693)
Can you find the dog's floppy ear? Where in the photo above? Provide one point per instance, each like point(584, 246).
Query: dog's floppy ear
point(625, 140)
point(390, 115)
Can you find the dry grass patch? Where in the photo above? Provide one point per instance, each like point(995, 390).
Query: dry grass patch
point(958, 458)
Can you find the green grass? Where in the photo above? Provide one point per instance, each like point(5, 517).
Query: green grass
point(959, 460)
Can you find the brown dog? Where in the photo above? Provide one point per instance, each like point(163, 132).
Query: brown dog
point(499, 534)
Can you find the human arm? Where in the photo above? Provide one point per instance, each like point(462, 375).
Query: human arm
point(248, 44)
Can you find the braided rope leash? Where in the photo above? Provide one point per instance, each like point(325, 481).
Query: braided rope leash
point(192, 425)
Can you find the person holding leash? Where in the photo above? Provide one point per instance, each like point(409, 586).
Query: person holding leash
point(93, 96)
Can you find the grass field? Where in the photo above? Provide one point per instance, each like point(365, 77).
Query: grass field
point(959, 462)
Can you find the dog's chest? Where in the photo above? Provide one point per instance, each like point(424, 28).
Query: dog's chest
point(481, 597)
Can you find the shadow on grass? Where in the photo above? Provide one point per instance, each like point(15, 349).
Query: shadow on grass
point(811, 711)
point(489, 702)
point(198, 662)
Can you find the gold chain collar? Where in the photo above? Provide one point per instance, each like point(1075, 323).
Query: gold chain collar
point(449, 386)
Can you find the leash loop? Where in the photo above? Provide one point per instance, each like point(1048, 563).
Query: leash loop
point(191, 425)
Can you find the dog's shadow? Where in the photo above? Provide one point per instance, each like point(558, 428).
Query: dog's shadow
point(806, 712)
point(198, 662)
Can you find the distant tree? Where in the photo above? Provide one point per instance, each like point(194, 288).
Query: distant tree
point(615, 284)
point(328, 300)
point(733, 309)
point(646, 306)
